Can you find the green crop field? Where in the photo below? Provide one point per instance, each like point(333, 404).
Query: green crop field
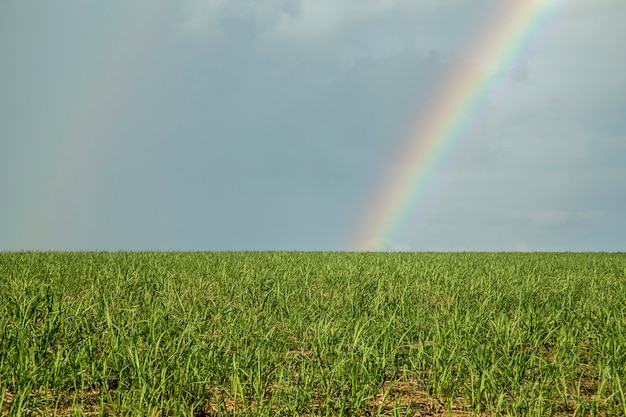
point(312, 334)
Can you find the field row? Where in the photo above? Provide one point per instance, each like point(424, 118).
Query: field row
point(280, 333)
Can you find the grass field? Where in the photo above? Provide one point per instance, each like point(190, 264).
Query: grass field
point(315, 334)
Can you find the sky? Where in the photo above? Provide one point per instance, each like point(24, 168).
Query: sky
point(277, 125)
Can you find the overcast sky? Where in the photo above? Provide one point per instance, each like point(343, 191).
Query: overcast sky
point(270, 125)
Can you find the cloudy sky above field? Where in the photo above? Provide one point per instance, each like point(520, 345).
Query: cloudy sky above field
point(254, 125)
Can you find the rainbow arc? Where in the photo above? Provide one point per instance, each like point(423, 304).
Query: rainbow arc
point(448, 118)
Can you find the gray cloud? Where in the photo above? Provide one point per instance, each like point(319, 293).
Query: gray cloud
point(269, 125)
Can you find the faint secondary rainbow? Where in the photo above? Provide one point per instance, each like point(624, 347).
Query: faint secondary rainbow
point(448, 116)
point(105, 63)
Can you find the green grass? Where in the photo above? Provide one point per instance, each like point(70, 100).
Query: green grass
point(324, 334)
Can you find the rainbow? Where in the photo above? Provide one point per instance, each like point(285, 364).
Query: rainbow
point(98, 83)
point(448, 118)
